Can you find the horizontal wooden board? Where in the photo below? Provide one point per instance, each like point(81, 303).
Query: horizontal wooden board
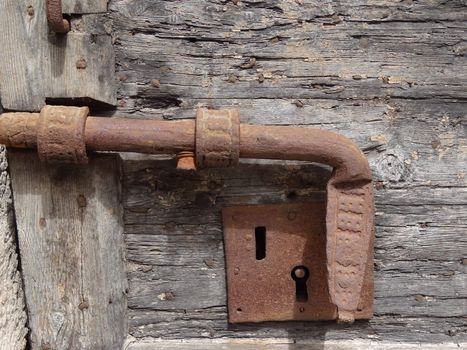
point(265, 345)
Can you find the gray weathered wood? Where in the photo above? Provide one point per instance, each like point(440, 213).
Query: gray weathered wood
point(36, 64)
point(389, 75)
point(70, 240)
point(84, 6)
point(12, 311)
point(265, 345)
point(176, 272)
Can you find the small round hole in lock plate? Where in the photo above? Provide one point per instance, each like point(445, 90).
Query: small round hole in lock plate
point(239, 309)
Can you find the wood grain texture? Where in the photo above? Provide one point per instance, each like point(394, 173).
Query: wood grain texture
point(36, 64)
point(389, 75)
point(70, 240)
point(266, 345)
point(13, 318)
point(175, 249)
point(84, 6)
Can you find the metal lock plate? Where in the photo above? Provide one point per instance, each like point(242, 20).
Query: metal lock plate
point(276, 264)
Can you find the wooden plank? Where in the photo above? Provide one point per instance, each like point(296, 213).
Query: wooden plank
point(70, 240)
point(84, 6)
point(13, 319)
point(264, 345)
point(389, 75)
point(301, 51)
point(175, 250)
point(36, 64)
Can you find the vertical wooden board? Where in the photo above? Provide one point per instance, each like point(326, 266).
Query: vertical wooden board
point(83, 65)
point(84, 6)
point(20, 87)
point(36, 64)
point(70, 238)
point(12, 313)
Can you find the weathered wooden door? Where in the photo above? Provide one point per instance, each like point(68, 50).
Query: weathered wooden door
point(128, 251)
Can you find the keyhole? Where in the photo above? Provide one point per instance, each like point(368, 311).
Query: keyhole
point(260, 238)
point(300, 275)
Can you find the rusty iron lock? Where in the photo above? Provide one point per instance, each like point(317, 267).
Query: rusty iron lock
point(304, 261)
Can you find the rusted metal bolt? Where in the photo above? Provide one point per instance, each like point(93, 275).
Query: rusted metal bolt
point(300, 272)
point(81, 64)
point(65, 134)
point(57, 23)
point(30, 11)
point(186, 161)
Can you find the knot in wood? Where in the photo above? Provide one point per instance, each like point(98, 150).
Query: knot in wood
point(60, 134)
point(217, 138)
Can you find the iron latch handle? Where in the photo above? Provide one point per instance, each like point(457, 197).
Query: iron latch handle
point(217, 138)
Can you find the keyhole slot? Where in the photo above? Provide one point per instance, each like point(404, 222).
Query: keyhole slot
point(300, 275)
point(260, 238)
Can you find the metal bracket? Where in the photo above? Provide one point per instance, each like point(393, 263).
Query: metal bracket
point(277, 266)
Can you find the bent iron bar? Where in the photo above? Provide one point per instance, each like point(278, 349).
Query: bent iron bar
point(55, 17)
point(217, 138)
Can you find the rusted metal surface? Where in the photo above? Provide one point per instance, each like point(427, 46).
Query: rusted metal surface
point(350, 230)
point(186, 161)
point(19, 129)
point(291, 281)
point(60, 134)
point(217, 140)
point(143, 136)
point(307, 144)
point(109, 134)
point(55, 17)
